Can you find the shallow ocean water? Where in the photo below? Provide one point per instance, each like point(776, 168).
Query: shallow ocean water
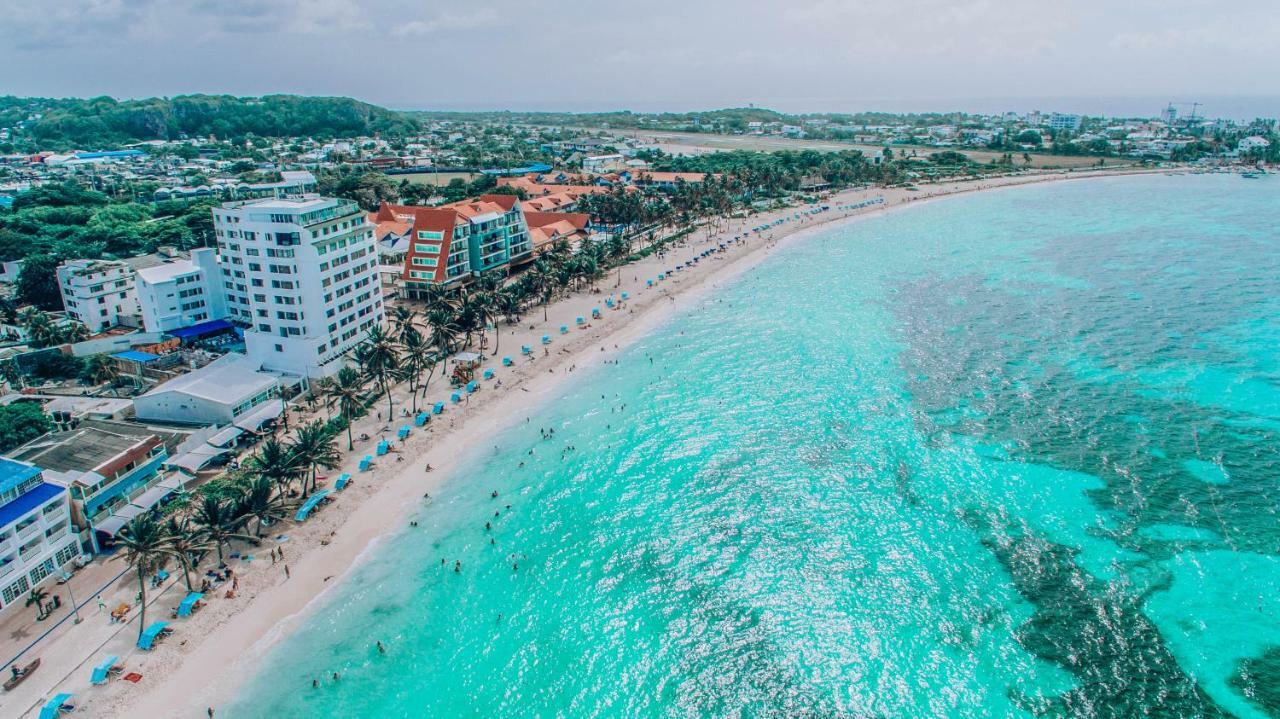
point(1010, 454)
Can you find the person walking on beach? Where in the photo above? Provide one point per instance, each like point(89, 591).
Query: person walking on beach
point(286, 571)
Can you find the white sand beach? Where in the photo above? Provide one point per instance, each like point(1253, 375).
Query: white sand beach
point(210, 654)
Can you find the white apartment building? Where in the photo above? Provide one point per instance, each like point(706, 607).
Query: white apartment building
point(302, 275)
point(36, 538)
point(181, 293)
point(99, 293)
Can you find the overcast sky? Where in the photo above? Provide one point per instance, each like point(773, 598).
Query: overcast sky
point(826, 55)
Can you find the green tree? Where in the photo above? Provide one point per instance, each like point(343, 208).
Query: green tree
point(21, 422)
point(220, 521)
point(346, 395)
point(379, 360)
point(145, 545)
point(314, 447)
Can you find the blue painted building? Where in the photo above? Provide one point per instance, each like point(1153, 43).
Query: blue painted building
point(36, 535)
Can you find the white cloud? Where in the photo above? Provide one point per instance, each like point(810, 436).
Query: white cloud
point(446, 21)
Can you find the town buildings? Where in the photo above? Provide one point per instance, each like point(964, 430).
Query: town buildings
point(181, 293)
point(36, 536)
point(229, 391)
point(301, 275)
point(453, 243)
point(105, 466)
point(99, 293)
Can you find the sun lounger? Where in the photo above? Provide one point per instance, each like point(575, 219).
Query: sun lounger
point(54, 708)
point(342, 482)
point(437, 408)
point(383, 447)
point(488, 374)
point(152, 634)
point(106, 669)
point(366, 463)
point(506, 361)
point(421, 418)
point(403, 432)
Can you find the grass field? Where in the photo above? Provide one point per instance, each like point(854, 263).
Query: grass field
point(436, 178)
point(692, 143)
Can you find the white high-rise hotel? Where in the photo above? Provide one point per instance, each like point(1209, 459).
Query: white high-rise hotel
point(301, 274)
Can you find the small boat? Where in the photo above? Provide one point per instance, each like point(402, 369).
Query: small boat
point(20, 675)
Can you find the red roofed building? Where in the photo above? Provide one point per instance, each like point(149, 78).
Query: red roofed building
point(450, 244)
point(547, 228)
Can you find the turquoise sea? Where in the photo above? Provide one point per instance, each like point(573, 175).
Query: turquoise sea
point(1005, 455)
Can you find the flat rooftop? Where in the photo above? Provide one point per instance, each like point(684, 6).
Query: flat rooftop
point(89, 445)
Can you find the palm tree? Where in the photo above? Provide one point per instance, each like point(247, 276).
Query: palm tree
point(37, 597)
point(442, 334)
point(276, 461)
point(542, 282)
point(262, 500)
point(346, 393)
point(379, 359)
point(40, 329)
point(145, 546)
point(416, 359)
point(187, 544)
point(10, 373)
point(402, 319)
point(220, 521)
point(101, 369)
point(313, 446)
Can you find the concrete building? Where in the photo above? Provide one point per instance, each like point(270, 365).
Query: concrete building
point(229, 391)
point(102, 294)
point(1059, 121)
point(36, 536)
point(301, 274)
point(104, 466)
point(456, 242)
point(99, 293)
point(181, 293)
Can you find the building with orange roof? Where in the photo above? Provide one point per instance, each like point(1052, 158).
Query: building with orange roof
point(450, 244)
point(547, 228)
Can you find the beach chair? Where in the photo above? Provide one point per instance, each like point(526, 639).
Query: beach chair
point(472, 386)
point(383, 447)
point(608, 302)
point(403, 432)
point(455, 398)
point(564, 329)
point(106, 669)
point(421, 418)
point(648, 283)
point(579, 321)
point(526, 350)
point(625, 296)
point(54, 708)
point(488, 374)
point(366, 463)
point(506, 361)
point(546, 339)
point(342, 482)
point(437, 408)
point(595, 313)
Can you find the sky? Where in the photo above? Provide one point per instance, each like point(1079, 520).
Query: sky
point(793, 55)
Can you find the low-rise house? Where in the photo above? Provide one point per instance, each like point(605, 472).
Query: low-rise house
point(104, 466)
point(231, 390)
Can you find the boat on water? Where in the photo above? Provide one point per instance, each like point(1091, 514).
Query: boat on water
point(20, 675)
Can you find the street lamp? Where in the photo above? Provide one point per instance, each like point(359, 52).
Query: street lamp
point(75, 609)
